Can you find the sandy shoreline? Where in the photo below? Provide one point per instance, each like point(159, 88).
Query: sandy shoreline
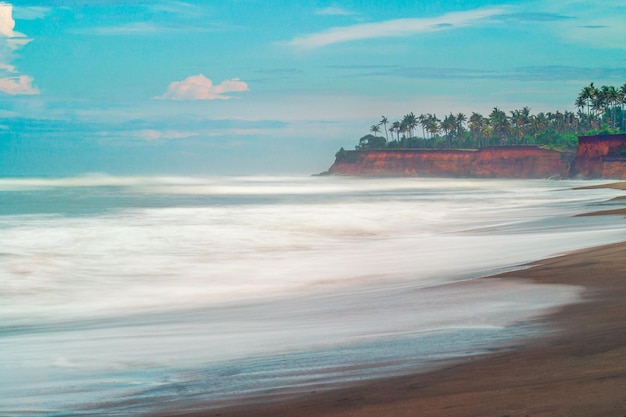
point(577, 370)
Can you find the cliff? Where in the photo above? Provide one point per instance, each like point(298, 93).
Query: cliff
point(600, 157)
point(596, 157)
point(492, 162)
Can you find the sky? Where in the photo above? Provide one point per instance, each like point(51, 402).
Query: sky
point(244, 87)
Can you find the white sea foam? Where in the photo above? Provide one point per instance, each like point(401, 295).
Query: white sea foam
point(103, 276)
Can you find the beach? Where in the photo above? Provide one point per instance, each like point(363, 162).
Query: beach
point(576, 369)
point(311, 296)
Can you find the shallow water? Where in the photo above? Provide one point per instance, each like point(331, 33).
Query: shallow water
point(122, 295)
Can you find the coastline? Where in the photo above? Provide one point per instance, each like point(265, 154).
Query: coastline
point(577, 369)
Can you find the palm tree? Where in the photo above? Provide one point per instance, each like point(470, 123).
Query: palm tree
point(423, 121)
point(391, 130)
point(475, 126)
point(375, 129)
point(539, 123)
point(500, 124)
point(622, 90)
point(587, 94)
point(614, 98)
point(396, 127)
point(384, 122)
point(448, 125)
point(580, 102)
point(599, 103)
point(570, 122)
point(460, 121)
point(404, 129)
point(433, 125)
point(516, 121)
point(410, 122)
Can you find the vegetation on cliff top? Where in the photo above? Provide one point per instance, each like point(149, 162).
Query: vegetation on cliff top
point(600, 110)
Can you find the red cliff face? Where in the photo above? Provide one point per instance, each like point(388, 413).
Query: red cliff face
point(494, 162)
point(600, 157)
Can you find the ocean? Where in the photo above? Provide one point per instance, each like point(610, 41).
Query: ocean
point(128, 295)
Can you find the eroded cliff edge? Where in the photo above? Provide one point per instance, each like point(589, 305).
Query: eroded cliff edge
point(596, 157)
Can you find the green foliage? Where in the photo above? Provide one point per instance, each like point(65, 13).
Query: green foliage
point(600, 111)
point(346, 156)
point(372, 142)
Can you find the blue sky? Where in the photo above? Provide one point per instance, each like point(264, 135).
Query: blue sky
point(269, 87)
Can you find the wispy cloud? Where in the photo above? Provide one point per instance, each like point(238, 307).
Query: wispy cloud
point(546, 73)
point(608, 32)
point(179, 8)
point(30, 12)
point(199, 87)
point(135, 28)
point(11, 82)
point(596, 24)
point(334, 11)
point(154, 28)
point(158, 18)
point(394, 28)
point(154, 134)
point(532, 17)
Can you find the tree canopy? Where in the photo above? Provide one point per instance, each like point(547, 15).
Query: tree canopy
point(600, 110)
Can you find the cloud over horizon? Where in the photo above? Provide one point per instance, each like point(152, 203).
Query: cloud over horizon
point(199, 87)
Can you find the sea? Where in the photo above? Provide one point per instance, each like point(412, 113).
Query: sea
point(125, 296)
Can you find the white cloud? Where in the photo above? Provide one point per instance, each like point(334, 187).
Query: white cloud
point(7, 24)
point(608, 32)
point(198, 87)
point(148, 134)
point(137, 28)
point(10, 41)
point(596, 24)
point(7, 67)
point(393, 28)
point(151, 134)
point(22, 84)
point(31, 12)
point(334, 11)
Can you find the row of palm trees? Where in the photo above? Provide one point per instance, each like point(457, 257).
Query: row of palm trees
point(598, 109)
point(601, 103)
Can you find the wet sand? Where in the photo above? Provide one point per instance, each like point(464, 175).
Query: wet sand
point(578, 369)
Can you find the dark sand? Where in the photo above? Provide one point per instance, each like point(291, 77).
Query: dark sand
point(577, 370)
point(615, 186)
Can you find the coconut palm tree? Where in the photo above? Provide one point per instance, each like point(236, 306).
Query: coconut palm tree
point(448, 125)
point(410, 122)
point(475, 126)
point(587, 94)
point(396, 127)
point(384, 122)
point(580, 102)
point(500, 124)
point(622, 90)
point(539, 123)
point(433, 125)
point(423, 121)
point(375, 129)
point(460, 122)
point(614, 99)
point(404, 129)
